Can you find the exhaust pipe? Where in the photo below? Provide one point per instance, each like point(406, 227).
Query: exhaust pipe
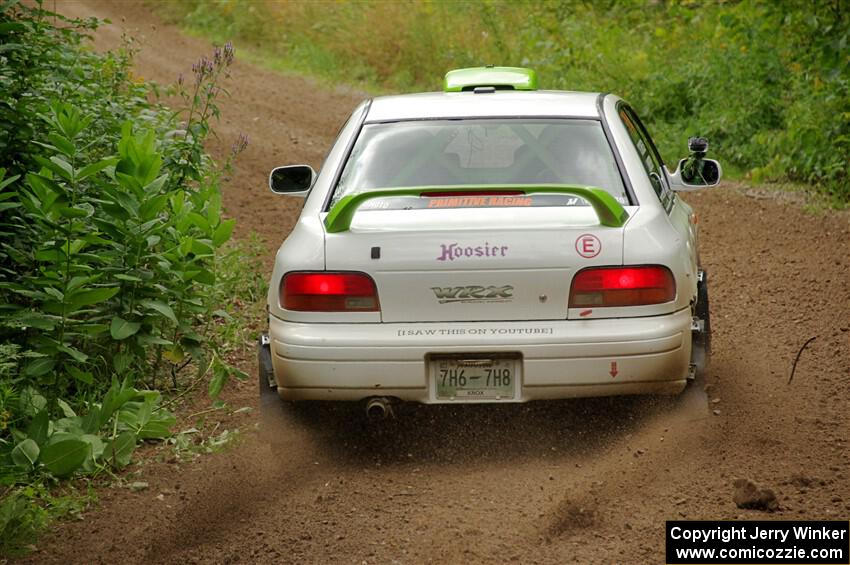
point(378, 408)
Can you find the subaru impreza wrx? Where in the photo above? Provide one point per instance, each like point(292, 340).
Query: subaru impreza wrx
point(489, 243)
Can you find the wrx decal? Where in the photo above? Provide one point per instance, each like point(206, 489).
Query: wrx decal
point(473, 293)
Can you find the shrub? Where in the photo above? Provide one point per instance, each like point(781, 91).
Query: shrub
point(111, 235)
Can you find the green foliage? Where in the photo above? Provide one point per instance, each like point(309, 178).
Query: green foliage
point(111, 215)
point(105, 437)
point(62, 444)
point(767, 82)
point(26, 510)
point(111, 237)
point(20, 520)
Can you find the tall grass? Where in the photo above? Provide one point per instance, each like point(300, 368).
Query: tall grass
point(767, 82)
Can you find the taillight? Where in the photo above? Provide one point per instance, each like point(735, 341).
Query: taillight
point(329, 292)
point(622, 286)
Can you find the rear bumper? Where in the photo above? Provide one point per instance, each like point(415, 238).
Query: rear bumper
point(560, 359)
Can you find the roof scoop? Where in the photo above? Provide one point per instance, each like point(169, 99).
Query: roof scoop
point(489, 79)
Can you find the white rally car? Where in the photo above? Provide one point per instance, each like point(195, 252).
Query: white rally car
point(489, 243)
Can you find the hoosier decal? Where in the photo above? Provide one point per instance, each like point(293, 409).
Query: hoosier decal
point(452, 251)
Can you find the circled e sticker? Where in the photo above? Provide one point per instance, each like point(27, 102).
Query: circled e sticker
point(588, 246)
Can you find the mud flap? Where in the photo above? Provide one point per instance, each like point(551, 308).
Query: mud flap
point(701, 349)
point(265, 369)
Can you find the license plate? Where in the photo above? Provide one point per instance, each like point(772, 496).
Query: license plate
point(475, 378)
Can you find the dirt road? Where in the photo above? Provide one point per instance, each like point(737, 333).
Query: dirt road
point(574, 482)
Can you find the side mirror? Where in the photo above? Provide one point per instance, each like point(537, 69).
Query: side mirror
point(294, 180)
point(696, 171)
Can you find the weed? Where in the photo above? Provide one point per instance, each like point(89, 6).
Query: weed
point(26, 510)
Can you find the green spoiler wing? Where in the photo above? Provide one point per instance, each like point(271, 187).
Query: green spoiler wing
point(610, 212)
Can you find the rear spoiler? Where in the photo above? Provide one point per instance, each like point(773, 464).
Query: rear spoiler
point(610, 212)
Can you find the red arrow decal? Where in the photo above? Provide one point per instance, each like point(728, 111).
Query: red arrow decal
point(614, 372)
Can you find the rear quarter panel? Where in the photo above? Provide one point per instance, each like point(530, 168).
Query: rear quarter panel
point(304, 248)
point(650, 236)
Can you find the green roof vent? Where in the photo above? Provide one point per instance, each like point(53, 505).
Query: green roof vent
point(498, 78)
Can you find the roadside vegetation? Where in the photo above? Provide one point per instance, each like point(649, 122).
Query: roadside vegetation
point(767, 82)
point(115, 261)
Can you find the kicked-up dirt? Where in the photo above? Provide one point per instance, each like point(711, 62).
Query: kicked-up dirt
point(585, 481)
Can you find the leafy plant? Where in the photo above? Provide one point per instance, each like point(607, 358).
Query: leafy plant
point(26, 510)
point(104, 438)
point(111, 246)
point(114, 229)
point(20, 520)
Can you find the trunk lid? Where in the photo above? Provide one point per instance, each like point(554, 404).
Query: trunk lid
point(474, 264)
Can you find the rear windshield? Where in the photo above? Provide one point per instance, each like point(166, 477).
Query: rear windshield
point(482, 153)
